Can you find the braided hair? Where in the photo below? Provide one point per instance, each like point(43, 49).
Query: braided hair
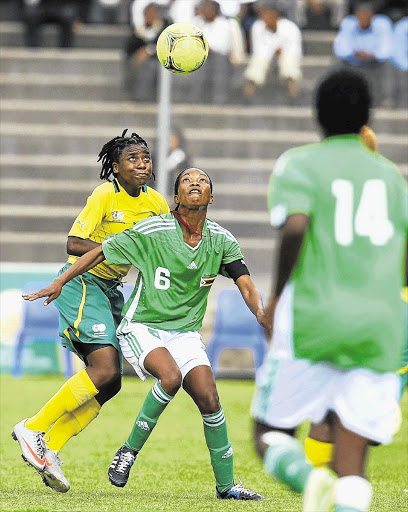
point(111, 151)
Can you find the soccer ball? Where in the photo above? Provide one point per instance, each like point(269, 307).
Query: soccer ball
point(182, 48)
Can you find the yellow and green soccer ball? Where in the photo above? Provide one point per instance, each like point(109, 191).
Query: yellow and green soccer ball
point(182, 48)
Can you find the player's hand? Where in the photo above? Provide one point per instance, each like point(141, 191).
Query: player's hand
point(262, 320)
point(269, 314)
point(52, 292)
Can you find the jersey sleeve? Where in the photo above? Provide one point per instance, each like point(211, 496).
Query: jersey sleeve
point(232, 252)
point(127, 247)
point(289, 190)
point(91, 215)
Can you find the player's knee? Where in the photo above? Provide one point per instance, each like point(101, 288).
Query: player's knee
point(208, 403)
point(171, 381)
point(109, 390)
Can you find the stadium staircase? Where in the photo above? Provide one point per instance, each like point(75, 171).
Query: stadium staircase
point(59, 106)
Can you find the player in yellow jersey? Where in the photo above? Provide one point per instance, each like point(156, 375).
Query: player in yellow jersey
point(91, 305)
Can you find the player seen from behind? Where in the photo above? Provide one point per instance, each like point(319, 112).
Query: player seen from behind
point(337, 315)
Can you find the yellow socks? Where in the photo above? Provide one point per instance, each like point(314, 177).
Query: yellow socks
point(71, 424)
point(75, 392)
point(318, 453)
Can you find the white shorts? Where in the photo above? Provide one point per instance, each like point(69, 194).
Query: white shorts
point(137, 340)
point(291, 391)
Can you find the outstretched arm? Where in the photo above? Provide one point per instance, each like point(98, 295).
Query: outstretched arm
point(83, 264)
point(253, 300)
point(79, 246)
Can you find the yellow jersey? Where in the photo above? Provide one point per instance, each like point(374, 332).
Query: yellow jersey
point(109, 210)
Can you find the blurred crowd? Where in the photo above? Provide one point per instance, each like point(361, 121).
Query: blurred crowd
point(256, 46)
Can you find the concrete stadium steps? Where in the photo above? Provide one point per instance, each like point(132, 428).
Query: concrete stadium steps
point(128, 113)
point(256, 143)
point(52, 192)
point(85, 36)
point(114, 37)
point(84, 169)
point(108, 63)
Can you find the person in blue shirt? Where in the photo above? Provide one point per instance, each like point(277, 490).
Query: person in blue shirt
point(365, 41)
point(399, 59)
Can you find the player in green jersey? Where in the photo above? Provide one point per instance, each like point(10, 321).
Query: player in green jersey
point(179, 255)
point(338, 320)
point(90, 307)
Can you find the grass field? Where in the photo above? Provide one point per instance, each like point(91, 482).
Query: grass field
point(173, 472)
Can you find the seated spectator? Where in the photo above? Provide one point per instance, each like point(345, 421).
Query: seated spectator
point(109, 11)
point(399, 59)
point(320, 14)
point(364, 41)
point(227, 48)
point(274, 37)
point(246, 17)
point(141, 63)
point(64, 13)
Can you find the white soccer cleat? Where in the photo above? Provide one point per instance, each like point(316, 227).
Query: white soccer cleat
point(319, 492)
point(52, 474)
point(32, 445)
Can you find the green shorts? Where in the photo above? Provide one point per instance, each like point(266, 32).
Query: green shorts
point(90, 311)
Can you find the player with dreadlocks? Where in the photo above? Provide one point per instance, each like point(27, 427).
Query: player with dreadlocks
point(90, 307)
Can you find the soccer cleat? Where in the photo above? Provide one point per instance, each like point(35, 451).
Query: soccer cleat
point(238, 492)
point(32, 445)
point(52, 474)
point(122, 463)
point(319, 491)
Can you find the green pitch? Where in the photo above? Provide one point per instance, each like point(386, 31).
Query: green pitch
point(173, 472)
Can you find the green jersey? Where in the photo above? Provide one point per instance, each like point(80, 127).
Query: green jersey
point(346, 308)
point(174, 279)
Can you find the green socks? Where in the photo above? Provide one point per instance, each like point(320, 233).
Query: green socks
point(286, 461)
point(221, 454)
point(154, 404)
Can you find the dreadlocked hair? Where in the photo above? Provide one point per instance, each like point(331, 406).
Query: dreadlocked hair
point(111, 151)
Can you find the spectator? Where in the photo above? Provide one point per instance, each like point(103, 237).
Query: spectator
point(227, 47)
point(178, 157)
point(399, 59)
point(274, 36)
point(365, 41)
point(64, 13)
point(109, 11)
point(246, 17)
point(137, 8)
point(141, 64)
point(320, 14)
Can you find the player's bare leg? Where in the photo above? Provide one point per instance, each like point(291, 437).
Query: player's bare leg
point(352, 491)
point(162, 366)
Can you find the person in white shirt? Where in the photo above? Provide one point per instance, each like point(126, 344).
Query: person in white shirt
point(274, 37)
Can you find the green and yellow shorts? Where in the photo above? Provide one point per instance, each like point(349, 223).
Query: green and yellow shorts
point(90, 311)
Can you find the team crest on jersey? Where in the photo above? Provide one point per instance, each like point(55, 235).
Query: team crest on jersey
point(118, 215)
point(99, 330)
point(207, 279)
